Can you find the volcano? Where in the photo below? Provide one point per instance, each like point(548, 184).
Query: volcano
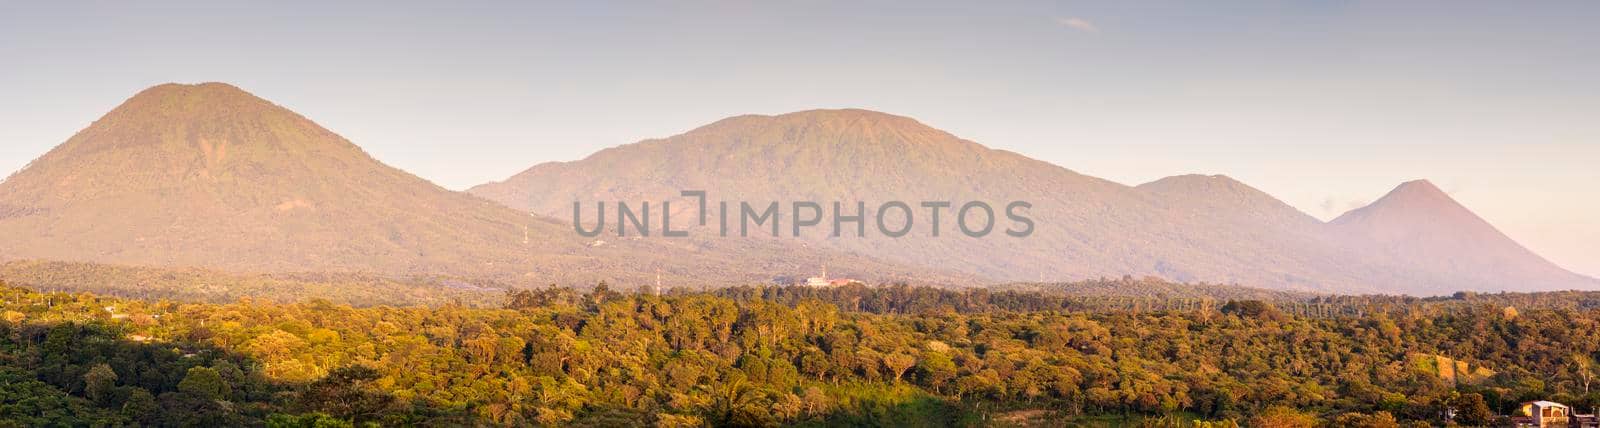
point(211, 176)
point(1191, 228)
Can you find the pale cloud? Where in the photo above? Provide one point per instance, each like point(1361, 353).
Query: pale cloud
point(1335, 206)
point(1079, 24)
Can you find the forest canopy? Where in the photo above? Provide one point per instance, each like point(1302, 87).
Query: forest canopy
point(766, 356)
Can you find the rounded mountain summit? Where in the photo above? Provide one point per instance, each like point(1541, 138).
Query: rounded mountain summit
point(209, 175)
point(1191, 228)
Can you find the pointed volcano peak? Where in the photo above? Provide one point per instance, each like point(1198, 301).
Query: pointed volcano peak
point(209, 91)
point(211, 100)
point(209, 175)
point(214, 121)
point(175, 135)
point(1419, 184)
point(1418, 223)
point(1415, 200)
point(1420, 188)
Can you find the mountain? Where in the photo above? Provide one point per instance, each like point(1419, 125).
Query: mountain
point(1220, 194)
point(1188, 228)
point(211, 176)
point(1421, 226)
point(831, 156)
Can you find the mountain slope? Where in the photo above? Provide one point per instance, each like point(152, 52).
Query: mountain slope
point(1187, 228)
point(822, 156)
point(1422, 227)
point(211, 176)
point(206, 174)
point(1086, 227)
point(1220, 193)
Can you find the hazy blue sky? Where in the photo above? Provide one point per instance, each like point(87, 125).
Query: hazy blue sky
point(1325, 104)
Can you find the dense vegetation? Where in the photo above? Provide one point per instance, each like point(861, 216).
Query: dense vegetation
point(888, 356)
point(213, 286)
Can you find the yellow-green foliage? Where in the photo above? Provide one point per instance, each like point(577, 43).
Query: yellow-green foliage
point(750, 357)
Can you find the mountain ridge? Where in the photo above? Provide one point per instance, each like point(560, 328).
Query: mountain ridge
point(211, 176)
point(1183, 228)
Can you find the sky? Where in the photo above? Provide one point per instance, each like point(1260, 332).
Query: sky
point(1326, 105)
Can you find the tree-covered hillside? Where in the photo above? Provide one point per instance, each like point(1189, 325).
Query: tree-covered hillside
point(873, 356)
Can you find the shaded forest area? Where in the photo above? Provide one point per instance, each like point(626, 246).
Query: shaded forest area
point(768, 356)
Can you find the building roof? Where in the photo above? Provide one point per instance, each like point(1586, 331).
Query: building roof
point(1542, 403)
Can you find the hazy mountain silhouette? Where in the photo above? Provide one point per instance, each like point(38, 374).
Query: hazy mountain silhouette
point(211, 176)
point(1186, 228)
point(1420, 226)
point(857, 155)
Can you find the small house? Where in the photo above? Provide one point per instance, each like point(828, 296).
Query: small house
point(1544, 414)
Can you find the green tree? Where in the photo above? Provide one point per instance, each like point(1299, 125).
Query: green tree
point(1471, 410)
point(1583, 365)
point(736, 403)
point(347, 394)
point(936, 368)
point(100, 384)
point(898, 363)
point(204, 382)
point(140, 406)
point(1253, 309)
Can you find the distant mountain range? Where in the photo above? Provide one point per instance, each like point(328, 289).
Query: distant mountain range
point(1187, 228)
point(213, 177)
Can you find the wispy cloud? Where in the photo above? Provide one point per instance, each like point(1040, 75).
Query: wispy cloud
point(1334, 206)
point(1079, 24)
